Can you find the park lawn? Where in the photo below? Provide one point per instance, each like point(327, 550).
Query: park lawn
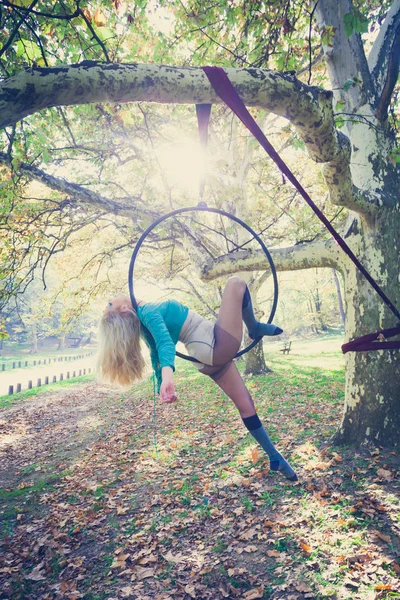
point(116, 500)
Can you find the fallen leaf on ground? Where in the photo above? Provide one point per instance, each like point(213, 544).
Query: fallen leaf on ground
point(385, 474)
point(177, 558)
point(381, 536)
point(253, 594)
point(383, 586)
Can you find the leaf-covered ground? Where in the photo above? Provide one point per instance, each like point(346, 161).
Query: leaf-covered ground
point(88, 510)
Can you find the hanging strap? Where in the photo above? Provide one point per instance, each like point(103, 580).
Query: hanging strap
point(367, 342)
point(225, 90)
point(203, 112)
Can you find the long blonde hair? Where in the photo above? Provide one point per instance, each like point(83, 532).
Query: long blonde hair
point(120, 358)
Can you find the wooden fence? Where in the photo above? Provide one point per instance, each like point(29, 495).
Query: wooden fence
point(46, 380)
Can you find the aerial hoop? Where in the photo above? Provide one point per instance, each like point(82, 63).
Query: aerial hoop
point(204, 208)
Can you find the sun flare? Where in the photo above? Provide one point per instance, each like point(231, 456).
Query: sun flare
point(184, 163)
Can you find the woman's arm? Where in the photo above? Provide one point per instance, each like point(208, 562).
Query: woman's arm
point(167, 390)
point(154, 323)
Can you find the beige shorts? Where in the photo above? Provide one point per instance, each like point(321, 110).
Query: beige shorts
point(198, 336)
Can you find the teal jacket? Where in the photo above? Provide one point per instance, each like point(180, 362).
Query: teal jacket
point(162, 324)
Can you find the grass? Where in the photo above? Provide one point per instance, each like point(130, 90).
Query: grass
point(206, 518)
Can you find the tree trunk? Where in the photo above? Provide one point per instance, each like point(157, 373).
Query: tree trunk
point(318, 311)
point(372, 402)
point(339, 295)
point(61, 342)
point(34, 339)
point(255, 360)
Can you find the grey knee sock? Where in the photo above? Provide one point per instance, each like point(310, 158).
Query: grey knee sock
point(254, 327)
point(277, 462)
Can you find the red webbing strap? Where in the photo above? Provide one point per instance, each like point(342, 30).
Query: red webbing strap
point(203, 112)
point(367, 342)
point(225, 90)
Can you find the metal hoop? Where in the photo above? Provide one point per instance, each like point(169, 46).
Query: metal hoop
point(224, 214)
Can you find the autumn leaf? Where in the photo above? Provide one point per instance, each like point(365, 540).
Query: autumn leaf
point(143, 572)
point(247, 535)
point(255, 455)
point(120, 561)
point(253, 594)
point(273, 553)
point(99, 18)
point(268, 524)
point(303, 587)
point(35, 574)
point(250, 548)
point(381, 536)
point(384, 474)
point(306, 548)
point(190, 590)
point(383, 586)
point(177, 558)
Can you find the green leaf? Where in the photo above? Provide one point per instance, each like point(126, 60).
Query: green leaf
point(104, 33)
point(327, 35)
point(361, 25)
point(340, 105)
point(348, 84)
point(349, 24)
point(297, 143)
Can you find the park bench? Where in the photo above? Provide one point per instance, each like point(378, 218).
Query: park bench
point(286, 347)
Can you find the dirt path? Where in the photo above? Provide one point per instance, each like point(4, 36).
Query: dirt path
point(50, 431)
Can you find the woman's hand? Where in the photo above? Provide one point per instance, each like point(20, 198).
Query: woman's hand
point(167, 390)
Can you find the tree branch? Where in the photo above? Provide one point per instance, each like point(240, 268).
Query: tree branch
point(345, 56)
point(308, 107)
point(384, 58)
point(338, 178)
point(29, 10)
point(77, 191)
point(302, 256)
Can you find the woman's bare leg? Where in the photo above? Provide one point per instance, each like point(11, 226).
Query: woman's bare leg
point(230, 311)
point(230, 381)
point(229, 325)
point(236, 307)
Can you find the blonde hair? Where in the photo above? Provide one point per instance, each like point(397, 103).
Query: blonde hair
point(120, 358)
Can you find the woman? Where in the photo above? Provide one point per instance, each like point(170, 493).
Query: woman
point(214, 345)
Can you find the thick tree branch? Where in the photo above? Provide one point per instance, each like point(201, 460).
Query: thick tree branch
point(308, 108)
point(383, 60)
point(338, 178)
point(345, 57)
point(295, 258)
point(76, 191)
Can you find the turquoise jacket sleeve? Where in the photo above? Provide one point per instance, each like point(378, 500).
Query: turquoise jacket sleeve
point(156, 326)
point(156, 366)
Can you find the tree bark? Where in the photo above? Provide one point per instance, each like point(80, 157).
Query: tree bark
point(255, 360)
